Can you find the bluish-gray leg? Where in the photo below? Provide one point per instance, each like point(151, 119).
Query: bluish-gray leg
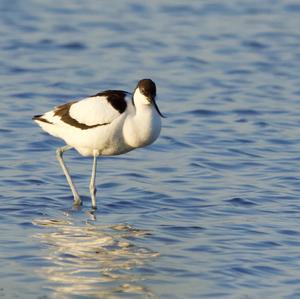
point(59, 156)
point(92, 183)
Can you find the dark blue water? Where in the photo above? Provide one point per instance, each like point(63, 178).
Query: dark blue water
point(212, 209)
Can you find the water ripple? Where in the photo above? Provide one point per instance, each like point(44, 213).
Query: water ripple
point(208, 211)
point(90, 260)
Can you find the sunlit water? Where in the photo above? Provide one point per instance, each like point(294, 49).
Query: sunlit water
point(212, 209)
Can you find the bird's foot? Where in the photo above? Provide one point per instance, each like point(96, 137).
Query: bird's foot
point(94, 203)
point(77, 202)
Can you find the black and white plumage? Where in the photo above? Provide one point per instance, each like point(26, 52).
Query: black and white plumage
point(111, 122)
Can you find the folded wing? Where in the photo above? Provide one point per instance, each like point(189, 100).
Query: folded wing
point(98, 110)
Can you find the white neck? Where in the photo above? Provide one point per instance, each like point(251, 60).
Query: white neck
point(139, 98)
point(144, 127)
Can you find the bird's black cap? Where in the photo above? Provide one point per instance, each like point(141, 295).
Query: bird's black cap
point(148, 88)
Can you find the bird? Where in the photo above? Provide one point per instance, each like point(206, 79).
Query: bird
point(111, 122)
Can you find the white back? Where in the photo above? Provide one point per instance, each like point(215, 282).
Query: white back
point(93, 110)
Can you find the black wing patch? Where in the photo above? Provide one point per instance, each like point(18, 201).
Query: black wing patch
point(116, 98)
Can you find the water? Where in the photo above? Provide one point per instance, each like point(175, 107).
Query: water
point(211, 210)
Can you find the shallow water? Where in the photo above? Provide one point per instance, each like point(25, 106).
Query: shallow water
point(211, 210)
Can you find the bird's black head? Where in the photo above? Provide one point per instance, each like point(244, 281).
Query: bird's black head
point(148, 88)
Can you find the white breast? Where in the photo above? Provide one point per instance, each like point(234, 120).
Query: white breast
point(143, 128)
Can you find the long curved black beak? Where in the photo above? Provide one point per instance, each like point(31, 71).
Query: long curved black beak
point(156, 107)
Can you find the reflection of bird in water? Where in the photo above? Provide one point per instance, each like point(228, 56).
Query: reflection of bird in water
point(97, 262)
point(112, 122)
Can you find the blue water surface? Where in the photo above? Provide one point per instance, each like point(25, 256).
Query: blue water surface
point(211, 210)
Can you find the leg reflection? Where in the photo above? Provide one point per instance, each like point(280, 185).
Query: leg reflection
point(95, 261)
